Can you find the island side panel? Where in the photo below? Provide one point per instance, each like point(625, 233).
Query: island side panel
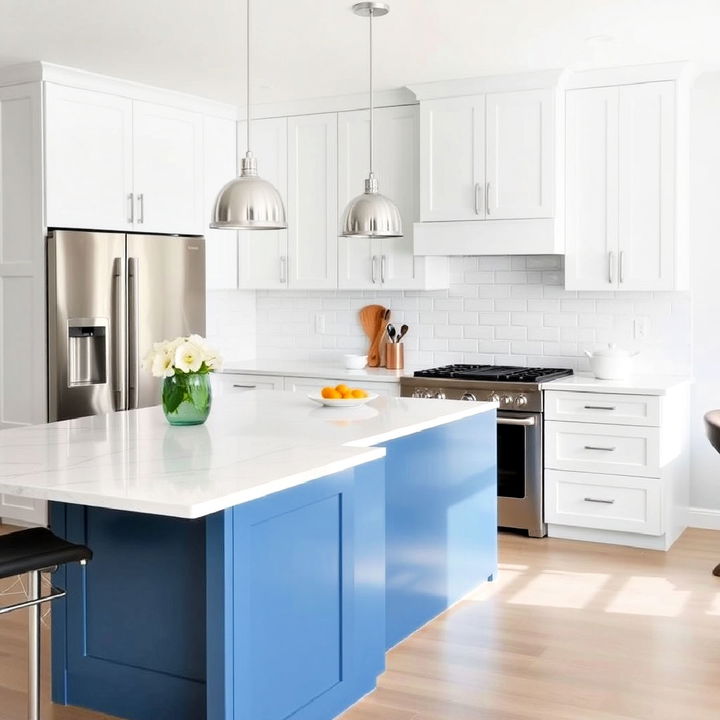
point(441, 520)
point(296, 605)
point(129, 639)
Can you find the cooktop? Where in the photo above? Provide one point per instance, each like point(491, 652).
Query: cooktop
point(495, 373)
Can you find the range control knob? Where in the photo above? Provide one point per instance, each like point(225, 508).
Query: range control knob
point(521, 401)
point(506, 399)
point(440, 395)
point(494, 397)
point(420, 393)
point(468, 396)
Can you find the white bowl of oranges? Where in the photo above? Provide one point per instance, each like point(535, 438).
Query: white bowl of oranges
point(342, 396)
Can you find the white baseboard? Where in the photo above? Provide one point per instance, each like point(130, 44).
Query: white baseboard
point(705, 518)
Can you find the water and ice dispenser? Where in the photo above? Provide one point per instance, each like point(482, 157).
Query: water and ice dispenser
point(87, 351)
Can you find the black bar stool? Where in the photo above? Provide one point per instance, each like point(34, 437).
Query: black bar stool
point(712, 430)
point(32, 551)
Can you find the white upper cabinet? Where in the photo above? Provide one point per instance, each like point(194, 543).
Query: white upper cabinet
point(452, 158)
point(383, 262)
point(488, 157)
point(220, 163)
point(113, 163)
point(622, 188)
point(167, 169)
point(263, 254)
point(519, 154)
point(312, 201)
point(88, 159)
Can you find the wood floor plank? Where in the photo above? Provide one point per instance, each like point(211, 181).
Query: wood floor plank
point(569, 631)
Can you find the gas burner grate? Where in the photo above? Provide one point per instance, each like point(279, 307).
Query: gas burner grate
point(497, 373)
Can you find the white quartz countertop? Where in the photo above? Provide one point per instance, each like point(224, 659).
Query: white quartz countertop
point(636, 385)
point(253, 444)
point(305, 368)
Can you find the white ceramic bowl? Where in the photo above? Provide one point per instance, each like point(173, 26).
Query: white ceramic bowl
point(351, 402)
point(355, 362)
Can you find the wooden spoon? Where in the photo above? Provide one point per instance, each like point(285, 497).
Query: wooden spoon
point(371, 320)
point(379, 342)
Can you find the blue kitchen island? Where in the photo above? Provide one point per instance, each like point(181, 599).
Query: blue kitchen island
point(257, 567)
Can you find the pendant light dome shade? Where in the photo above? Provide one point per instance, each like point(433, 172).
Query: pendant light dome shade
point(249, 203)
point(371, 215)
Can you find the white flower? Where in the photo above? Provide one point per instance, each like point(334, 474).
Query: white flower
point(188, 357)
point(210, 356)
point(162, 364)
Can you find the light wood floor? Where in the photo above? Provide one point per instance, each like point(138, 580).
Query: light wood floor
point(569, 631)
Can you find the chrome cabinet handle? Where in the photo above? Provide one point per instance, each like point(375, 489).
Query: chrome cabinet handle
point(382, 269)
point(141, 208)
point(599, 500)
point(611, 267)
point(283, 269)
point(526, 422)
point(600, 407)
point(133, 329)
point(487, 197)
point(374, 269)
point(622, 267)
point(599, 447)
point(131, 208)
point(477, 198)
point(245, 387)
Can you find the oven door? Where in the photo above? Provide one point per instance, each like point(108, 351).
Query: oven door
point(520, 471)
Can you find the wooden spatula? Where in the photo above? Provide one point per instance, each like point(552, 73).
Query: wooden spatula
point(371, 317)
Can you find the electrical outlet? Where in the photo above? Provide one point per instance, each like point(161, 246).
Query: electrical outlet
point(641, 328)
point(319, 324)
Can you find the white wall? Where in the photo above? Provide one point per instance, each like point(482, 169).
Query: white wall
point(497, 310)
point(705, 269)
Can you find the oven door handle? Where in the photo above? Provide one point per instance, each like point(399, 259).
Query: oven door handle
point(526, 422)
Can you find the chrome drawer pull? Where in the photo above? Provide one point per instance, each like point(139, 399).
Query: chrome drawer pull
point(598, 447)
point(527, 421)
point(599, 500)
point(245, 387)
point(600, 407)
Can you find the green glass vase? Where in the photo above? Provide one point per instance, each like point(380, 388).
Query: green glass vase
point(186, 398)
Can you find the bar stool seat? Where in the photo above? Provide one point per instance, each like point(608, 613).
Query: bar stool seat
point(32, 551)
point(37, 549)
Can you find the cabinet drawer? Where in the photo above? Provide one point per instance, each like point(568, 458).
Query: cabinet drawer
point(590, 447)
point(604, 502)
point(228, 383)
point(309, 384)
point(603, 408)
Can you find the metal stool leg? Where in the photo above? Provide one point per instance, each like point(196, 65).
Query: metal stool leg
point(34, 648)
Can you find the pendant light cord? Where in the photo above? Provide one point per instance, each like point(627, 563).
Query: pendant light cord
point(248, 78)
point(372, 113)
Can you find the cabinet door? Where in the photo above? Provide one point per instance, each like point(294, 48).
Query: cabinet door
point(591, 195)
point(22, 509)
point(312, 201)
point(221, 246)
point(647, 186)
point(452, 159)
point(357, 265)
point(520, 129)
point(263, 253)
point(88, 159)
point(167, 170)
point(231, 383)
point(396, 143)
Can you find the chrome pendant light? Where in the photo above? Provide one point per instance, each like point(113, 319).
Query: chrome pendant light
point(248, 202)
point(371, 214)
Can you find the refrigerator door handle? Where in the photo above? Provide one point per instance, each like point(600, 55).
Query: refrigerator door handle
point(133, 324)
point(118, 337)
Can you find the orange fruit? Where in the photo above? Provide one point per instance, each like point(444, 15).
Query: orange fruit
point(358, 393)
point(347, 395)
point(328, 393)
point(342, 388)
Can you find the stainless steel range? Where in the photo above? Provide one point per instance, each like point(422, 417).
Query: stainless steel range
point(520, 428)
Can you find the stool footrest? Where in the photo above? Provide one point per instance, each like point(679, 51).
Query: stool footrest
point(55, 594)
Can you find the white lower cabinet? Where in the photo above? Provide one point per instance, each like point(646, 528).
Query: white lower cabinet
point(229, 383)
point(616, 466)
point(26, 511)
point(311, 384)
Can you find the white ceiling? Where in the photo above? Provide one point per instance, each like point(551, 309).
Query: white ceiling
point(313, 49)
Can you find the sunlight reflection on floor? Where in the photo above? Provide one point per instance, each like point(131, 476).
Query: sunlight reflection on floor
point(649, 596)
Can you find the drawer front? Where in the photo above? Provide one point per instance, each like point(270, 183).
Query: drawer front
point(308, 384)
point(590, 447)
point(604, 502)
point(602, 408)
point(229, 383)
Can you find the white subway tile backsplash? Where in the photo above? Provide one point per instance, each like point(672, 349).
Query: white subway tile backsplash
point(511, 310)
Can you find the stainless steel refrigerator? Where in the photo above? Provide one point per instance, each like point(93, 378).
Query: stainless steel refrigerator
point(110, 297)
